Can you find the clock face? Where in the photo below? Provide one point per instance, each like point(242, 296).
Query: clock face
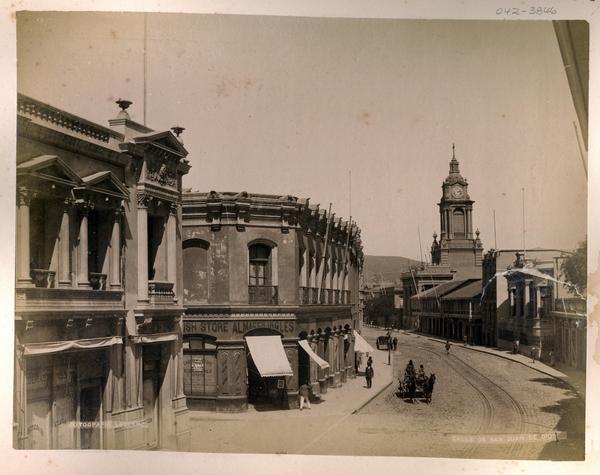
point(457, 192)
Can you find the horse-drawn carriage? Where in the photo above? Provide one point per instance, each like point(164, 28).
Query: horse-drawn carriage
point(416, 385)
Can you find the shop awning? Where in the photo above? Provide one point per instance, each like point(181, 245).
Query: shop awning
point(269, 356)
point(32, 349)
point(316, 358)
point(361, 345)
point(154, 338)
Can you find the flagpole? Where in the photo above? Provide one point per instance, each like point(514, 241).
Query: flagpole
point(524, 250)
point(145, 62)
point(495, 242)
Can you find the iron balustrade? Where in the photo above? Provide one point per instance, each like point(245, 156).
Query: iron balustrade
point(304, 295)
point(262, 294)
point(314, 295)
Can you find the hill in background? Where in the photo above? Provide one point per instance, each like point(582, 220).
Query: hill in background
point(386, 269)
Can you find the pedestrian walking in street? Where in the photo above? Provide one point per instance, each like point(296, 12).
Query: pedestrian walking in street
point(395, 343)
point(465, 339)
point(369, 373)
point(304, 393)
point(370, 361)
point(533, 353)
point(514, 350)
point(447, 347)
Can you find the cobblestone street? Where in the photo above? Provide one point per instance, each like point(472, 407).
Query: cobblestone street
point(483, 407)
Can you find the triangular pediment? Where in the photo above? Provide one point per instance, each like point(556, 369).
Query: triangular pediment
point(165, 140)
point(107, 183)
point(49, 167)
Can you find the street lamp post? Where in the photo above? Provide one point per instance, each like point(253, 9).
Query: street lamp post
point(389, 345)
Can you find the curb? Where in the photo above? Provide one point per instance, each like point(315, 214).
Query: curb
point(355, 411)
point(539, 370)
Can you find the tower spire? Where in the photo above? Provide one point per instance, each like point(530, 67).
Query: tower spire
point(454, 162)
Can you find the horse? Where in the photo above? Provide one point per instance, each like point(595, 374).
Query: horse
point(428, 388)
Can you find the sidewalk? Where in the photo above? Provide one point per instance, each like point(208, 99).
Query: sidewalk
point(346, 399)
point(574, 378)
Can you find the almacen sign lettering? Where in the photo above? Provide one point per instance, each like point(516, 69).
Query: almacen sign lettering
point(238, 327)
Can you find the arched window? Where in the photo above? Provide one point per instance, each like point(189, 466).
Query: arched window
point(260, 265)
point(458, 222)
point(195, 271)
point(262, 274)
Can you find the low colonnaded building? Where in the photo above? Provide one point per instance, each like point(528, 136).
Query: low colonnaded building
point(271, 289)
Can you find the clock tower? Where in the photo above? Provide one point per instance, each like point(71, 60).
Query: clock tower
point(457, 247)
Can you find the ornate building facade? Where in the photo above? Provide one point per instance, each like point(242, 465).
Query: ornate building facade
point(99, 296)
point(271, 289)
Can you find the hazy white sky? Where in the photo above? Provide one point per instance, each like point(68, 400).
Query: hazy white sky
point(289, 105)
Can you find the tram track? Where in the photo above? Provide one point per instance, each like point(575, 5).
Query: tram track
point(494, 421)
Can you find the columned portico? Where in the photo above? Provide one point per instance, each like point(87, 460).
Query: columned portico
point(142, 250)
point(115, 251)
point(23, 258)
point(172, 247)
point(83, 279)
point(64, 255)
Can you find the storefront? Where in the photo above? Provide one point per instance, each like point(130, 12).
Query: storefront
point(65, 393)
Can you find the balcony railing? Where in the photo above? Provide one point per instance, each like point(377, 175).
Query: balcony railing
point(304, 294)
point(314, 295)
point(98, 281)
point(262, 294)
point(570, 305)
point(160, 292)
point(44, 278)
point(336, 296)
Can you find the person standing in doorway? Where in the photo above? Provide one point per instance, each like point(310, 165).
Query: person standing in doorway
point(369, 373)
point(304, 393)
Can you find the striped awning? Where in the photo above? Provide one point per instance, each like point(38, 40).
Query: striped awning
point(316, 358)
point(361, 345)
point(269, 356)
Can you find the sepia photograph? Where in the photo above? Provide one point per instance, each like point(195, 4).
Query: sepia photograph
point(301, 235)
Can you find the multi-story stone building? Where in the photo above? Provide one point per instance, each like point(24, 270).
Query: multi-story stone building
point(500, 324)
point(271, 288)
point(541, 314)
point(98, 287)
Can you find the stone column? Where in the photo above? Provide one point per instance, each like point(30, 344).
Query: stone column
point(343, 368)
point(172, 247)
point(538, 302)
point(527, 299)
point(468, 223)
point(115, 251)
point(23, 239)
point(313, 367)
point(142, 246)
point(83, 278)
point(64, 254)
point(351, 355)
point(321, 372)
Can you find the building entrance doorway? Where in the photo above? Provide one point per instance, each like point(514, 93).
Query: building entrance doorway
point(264, 392)
point(90, 416)
point(151, 383)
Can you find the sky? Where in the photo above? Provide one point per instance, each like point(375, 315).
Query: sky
point(289, 105)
